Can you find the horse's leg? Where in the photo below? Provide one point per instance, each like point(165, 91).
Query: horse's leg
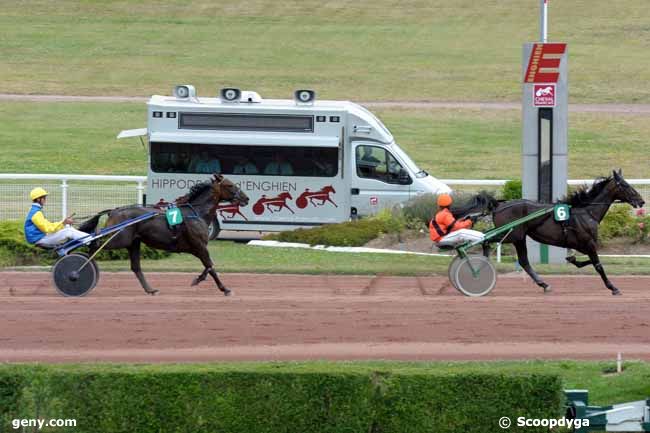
point(201, 277)
point(203, 255)
point(593, 255)
point(134, 255)
point(576, 263)
point(522, 256)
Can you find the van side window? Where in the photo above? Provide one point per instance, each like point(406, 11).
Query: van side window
point(375, 162)
point(252, 160)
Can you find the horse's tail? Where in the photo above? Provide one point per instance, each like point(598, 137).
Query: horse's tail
point(483, 203)
point(90, 225)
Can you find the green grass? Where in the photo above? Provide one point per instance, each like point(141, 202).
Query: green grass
point(365, 50)
point(236, 257)
point(604, 387)
point(475, 144)
point(71, 138)
point(80, 138)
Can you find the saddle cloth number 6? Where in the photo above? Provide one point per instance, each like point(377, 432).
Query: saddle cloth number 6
point(561, 212)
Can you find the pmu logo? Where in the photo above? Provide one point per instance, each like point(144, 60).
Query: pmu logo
point(544, 95)
point(544, 63)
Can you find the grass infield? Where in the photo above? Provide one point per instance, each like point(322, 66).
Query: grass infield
point(471, 144)
point(365, 50)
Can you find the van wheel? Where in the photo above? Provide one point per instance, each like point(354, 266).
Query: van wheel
point(214, 230)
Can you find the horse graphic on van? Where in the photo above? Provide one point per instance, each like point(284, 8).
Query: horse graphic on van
point(273, 205)
point(323, 195)
point(231, 209)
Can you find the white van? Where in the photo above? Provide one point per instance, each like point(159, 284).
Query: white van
point(301, 162)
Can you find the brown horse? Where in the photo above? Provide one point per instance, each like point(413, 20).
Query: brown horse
point(588, 208)
point(198, 209)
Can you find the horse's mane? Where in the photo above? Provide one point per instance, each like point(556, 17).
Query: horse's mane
point(585, 195)
point(195, 191)
point(479, 203)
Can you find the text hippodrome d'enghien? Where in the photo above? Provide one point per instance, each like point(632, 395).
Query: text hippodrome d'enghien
point(246, 185)
point(544, 63)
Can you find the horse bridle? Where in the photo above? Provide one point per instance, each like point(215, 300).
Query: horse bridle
point(236, 195)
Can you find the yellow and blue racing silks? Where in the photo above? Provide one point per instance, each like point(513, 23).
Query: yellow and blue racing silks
point(37, 226)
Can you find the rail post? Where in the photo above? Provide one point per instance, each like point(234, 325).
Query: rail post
point(140, 189)
point(64, 198)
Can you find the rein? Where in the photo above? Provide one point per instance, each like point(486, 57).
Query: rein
point(195, 216)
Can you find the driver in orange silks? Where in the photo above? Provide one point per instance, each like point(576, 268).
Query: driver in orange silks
point(446, 231)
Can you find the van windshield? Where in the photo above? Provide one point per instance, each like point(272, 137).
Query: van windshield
point(412, 166)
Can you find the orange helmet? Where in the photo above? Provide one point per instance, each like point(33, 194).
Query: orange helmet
point(444, 200)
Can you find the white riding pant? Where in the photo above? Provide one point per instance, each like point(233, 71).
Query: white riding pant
point(57, 238)
point(459, 237)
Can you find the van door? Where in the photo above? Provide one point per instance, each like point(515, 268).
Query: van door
point(379, 180)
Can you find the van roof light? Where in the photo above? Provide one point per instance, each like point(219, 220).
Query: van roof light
point(184, 91)
point(304, 96)
point(230, 94)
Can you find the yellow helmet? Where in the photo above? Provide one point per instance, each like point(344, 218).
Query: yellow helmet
point(37, 193)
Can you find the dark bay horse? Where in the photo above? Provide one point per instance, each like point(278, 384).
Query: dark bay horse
point(198, 208)
point(580, 232)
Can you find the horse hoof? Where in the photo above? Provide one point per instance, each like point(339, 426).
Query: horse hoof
point(153, 292)
point(195, 282)
point(547, 288)
point(227, 292)
point(616, 292)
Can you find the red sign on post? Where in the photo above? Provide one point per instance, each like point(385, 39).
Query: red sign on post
point(544, 95)
point(544, 63)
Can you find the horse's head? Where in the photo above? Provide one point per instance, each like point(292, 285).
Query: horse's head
point(285, 196)
point(624, 192)
point(329, 188)
point(482, 203)
point(225, 190)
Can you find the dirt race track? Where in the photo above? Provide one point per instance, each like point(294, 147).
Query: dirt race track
point(286, 317)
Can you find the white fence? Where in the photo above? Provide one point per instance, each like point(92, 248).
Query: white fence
point(88, 194)
point(83, 195)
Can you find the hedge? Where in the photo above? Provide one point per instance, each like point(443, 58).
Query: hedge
point(270, 398)
point(352, 233)
point(15, 251)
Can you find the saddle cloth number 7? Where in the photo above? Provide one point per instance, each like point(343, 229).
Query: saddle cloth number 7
point(174, 216)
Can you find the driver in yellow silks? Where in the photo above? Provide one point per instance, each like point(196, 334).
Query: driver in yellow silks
point(40, 231)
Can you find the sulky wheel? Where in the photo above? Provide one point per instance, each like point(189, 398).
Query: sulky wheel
point(92, 263)
point(475, 276)
point(453, 265)
point(70, 279)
